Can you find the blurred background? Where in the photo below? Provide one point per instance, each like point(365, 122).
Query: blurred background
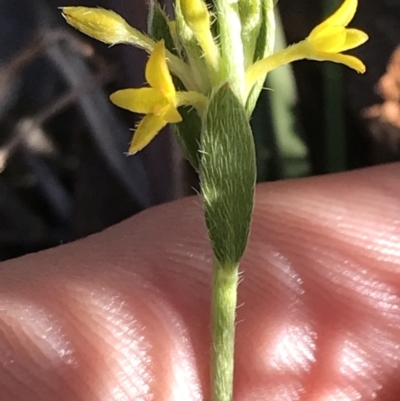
point(64, 173)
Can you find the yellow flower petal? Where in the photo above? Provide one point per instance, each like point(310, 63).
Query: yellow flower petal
point(329, 40)
point(142, 100)
point(147, 129)
point(343, 15)
point(350, 61)
point(354, 38)
point(171, 115)
point(157, 72)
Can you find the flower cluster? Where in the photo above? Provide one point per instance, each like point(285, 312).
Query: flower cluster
point(202, 63)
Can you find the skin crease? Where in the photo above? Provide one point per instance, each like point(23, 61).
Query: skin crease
point(124, 314)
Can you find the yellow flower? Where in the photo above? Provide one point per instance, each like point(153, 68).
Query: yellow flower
point(326, 42)
point(330, 38)
point(159, 102)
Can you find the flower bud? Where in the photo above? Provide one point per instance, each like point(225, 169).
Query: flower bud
point(196, 15)
point(197, 18)
point(98, 23)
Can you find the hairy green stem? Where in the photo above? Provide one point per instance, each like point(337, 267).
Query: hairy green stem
point(224, 296)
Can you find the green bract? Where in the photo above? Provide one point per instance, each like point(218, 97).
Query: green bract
point(227, 174)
